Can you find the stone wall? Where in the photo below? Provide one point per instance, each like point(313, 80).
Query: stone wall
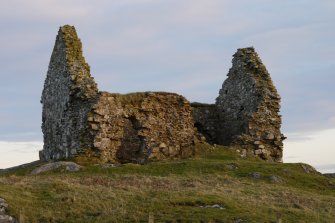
point(142, 126)
point(68, 95)
point(4, 217)
point(79, 121)
point(248, 106)
point(206, 119)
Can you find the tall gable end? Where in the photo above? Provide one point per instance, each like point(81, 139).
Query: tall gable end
point(248, 106)
point(68, 93)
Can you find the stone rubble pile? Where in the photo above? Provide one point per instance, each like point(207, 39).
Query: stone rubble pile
point(4, 218)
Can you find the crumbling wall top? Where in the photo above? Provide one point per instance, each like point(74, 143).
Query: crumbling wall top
point(83, 83)
point(253, 65)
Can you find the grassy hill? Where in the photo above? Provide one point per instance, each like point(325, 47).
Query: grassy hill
point(217, 186)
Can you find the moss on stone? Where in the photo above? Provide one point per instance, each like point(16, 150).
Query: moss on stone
point(73, 43)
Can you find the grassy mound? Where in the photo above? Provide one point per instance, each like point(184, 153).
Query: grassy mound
point(218, 186)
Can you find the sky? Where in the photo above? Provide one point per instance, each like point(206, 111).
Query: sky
point(182, 46)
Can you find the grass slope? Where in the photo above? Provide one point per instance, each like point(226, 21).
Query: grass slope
point(173, 192)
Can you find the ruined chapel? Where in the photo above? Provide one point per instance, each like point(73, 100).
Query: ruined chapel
point(78, 120)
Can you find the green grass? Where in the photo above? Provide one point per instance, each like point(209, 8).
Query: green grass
point(172, 192)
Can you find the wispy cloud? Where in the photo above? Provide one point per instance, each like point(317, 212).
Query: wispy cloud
point(329, 168)
point(20, 136)
point(298, 137)
point(17, 153)
point(50, 9)
point(315, 148)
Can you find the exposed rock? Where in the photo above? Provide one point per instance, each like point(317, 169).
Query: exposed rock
point(107, 165)
point(275, 179)
point(308, 168)
point(68, 166)
point(255, 175)
point(7, 219)
point(215, 206)
point(3, 206)
point(23, 166)
point(4, 218)
point(232, 166)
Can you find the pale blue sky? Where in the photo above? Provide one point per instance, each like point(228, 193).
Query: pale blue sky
point(183, 46)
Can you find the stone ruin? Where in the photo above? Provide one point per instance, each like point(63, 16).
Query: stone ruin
point(246, 112)
point(80, 122)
